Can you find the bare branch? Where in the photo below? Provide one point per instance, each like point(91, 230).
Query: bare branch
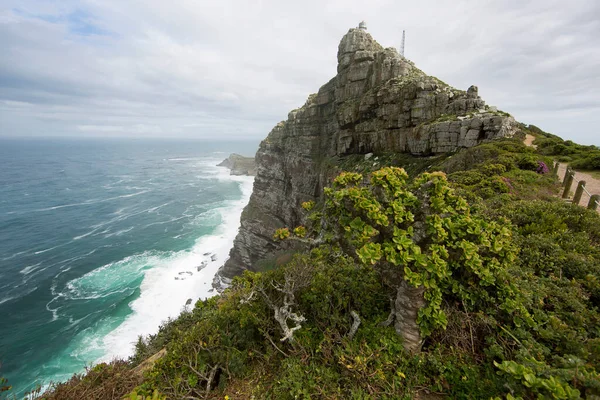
point(355, 324)
point(284, 312)
point(390, 319)
point(248, 299)
point(211, 377)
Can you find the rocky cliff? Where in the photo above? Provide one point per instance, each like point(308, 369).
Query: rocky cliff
point(239, 165)
point(378, 102)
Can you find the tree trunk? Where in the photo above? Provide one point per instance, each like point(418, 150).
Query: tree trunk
point(409, 301)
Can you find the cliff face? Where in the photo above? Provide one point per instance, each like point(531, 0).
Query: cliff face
point(377, 102)
point(239, 165)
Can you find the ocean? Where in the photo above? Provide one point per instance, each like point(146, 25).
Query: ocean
point(103, 240)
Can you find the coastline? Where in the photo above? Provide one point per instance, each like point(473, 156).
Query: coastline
point(169, 279)
point(167, 288)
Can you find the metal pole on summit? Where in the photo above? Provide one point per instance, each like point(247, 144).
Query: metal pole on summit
point(403, 42)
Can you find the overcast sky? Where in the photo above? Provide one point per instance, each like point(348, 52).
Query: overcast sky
point(216, 69)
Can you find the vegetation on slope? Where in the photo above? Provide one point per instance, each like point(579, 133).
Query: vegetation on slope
point(577, 155)
point(509, 275)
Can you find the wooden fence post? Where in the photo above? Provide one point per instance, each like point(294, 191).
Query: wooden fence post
point(594, 200)
point(555, 170)
point(579, 192)
point(568, 182)
point(567, 174)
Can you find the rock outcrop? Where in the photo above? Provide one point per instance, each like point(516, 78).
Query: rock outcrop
point(239, 165)
point(378, 102)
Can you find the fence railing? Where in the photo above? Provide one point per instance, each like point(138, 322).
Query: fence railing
point(568, 181)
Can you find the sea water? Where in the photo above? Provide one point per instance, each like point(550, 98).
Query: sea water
point(103, 240)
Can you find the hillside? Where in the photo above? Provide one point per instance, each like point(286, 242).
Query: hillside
point(401, 242)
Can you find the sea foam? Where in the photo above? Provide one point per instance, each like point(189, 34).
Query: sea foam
point(162, 295)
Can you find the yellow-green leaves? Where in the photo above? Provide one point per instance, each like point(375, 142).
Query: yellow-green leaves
point(281, 234)
point(308, 205)
point(300, 231)
point(425, 229)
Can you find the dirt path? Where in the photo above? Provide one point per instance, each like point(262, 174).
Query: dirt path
point(529, 141)
point(592, 185)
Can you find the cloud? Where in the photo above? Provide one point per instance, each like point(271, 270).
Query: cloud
point(196, 68)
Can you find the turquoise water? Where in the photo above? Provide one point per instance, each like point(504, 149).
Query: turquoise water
point(102, 240)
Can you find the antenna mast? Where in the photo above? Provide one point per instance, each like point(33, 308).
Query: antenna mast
point(402, 45)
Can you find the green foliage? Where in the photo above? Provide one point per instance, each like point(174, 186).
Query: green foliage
point(427, 233)
point(281, 234)
point(589, 162)
point(579, 156)
point(511, 286)
point(505, 173)
point(300, 231)
point(103, 381)
point(135, 396)
point(308, 205)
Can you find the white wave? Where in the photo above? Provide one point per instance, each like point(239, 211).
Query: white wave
point(85, 234)
point(158, 207)
point(9, 298)
point(165, 222)
point(120, 217)
point(45, 250)
point(15, 255)
point(88, 202)
point(119, 233)
point(162, 296)
point(29, 269)
point(21, 294)
point(185, 159)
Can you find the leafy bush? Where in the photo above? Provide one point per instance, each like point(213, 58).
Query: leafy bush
point(591, 162)
point(580, 156)
point(103, 381)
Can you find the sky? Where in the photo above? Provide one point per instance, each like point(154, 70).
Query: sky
point(233, 69)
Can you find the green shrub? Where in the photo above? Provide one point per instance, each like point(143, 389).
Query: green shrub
point(528, 162)
point(591, 162)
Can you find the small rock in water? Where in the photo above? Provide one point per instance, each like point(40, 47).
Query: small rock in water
point(206, 254)
point(186, 272)
point(213, 257)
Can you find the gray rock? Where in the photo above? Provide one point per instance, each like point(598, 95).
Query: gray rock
point(378, 102)
point(473, 92)
point(239, 165)
point(202, 265)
